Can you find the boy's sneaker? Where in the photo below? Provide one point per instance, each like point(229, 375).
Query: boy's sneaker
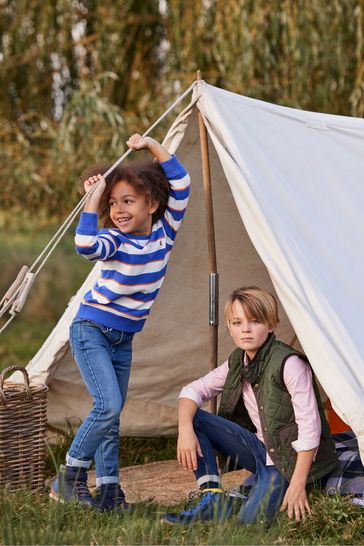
point(71, 485)
point(110, 496)
point(213, 505)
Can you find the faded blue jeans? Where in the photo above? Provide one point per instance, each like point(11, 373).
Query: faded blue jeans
point(103, 356)
point(244, 450)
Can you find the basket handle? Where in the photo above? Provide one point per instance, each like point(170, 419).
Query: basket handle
point(10, 369)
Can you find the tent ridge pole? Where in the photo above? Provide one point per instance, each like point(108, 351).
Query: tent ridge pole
point(211, 243)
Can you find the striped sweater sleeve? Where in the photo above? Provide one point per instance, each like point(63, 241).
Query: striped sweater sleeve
point(93, 244)
point(179, 192)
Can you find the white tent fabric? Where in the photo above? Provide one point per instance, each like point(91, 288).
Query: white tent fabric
point(296, 179)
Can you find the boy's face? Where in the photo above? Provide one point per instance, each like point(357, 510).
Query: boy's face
point(248, 334)
point(129, 211)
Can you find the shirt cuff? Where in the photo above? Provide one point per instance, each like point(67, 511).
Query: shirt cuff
point(304, 445)
point(188, 393)
point(173, 169)
point(87, 224)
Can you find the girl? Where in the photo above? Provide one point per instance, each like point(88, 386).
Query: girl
point(142, 206)
point(270, 420)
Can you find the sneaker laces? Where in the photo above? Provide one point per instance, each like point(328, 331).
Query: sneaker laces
point(204, 499)
point(82, 489)
point(192, 496)
point(239, 492)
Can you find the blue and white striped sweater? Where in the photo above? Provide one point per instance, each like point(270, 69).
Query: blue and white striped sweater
point(133, 267)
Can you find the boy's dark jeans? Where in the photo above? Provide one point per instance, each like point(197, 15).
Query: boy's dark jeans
point(246, 451)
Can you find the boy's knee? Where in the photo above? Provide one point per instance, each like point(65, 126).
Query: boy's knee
point(198, 419)
point(274, 479)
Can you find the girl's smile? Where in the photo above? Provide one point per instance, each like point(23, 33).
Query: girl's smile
point(130, 211)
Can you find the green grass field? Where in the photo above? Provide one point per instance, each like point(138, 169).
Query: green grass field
point(34, 519)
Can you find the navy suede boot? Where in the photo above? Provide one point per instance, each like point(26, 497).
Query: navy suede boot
point(71, 485)
point(110, 496)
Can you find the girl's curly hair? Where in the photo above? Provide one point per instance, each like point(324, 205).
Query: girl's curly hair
point(146, 177)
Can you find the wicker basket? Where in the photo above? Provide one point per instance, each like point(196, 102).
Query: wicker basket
point(23, 419)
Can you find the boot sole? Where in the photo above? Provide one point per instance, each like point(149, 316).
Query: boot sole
point(53, 495)
point(167, 522)
point(183, 524)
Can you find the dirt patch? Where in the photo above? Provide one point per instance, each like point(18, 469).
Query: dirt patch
point(163, 482)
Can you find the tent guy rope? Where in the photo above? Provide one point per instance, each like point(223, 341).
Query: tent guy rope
point(15, 297)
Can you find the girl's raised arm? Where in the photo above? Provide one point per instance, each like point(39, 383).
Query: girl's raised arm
point(93, 201)
point(138, 142)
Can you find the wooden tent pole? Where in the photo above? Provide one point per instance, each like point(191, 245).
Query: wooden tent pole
point(213, 275)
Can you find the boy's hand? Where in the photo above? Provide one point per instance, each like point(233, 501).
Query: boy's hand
point(188, 449)
point(138, 142)
point(90, 183)
point(295, 502)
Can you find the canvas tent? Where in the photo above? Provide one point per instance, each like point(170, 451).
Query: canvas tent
point(288, 200)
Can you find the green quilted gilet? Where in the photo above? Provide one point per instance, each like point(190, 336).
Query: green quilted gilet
point(275, 408)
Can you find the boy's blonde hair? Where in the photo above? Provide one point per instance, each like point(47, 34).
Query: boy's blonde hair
point(257, 304)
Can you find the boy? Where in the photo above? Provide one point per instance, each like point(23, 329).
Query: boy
point(270, 420)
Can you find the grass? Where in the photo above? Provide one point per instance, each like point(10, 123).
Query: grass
point(34, 519)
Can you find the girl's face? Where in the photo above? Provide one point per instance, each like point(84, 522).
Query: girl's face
point(129, 211)
point(248, 334)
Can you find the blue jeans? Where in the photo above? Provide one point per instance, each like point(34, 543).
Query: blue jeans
point(103, 356)
point(244, 450)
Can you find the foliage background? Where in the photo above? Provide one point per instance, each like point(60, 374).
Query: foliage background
point(77, 76)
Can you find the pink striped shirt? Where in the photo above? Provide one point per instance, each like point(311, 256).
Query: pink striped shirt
point(297, 377)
